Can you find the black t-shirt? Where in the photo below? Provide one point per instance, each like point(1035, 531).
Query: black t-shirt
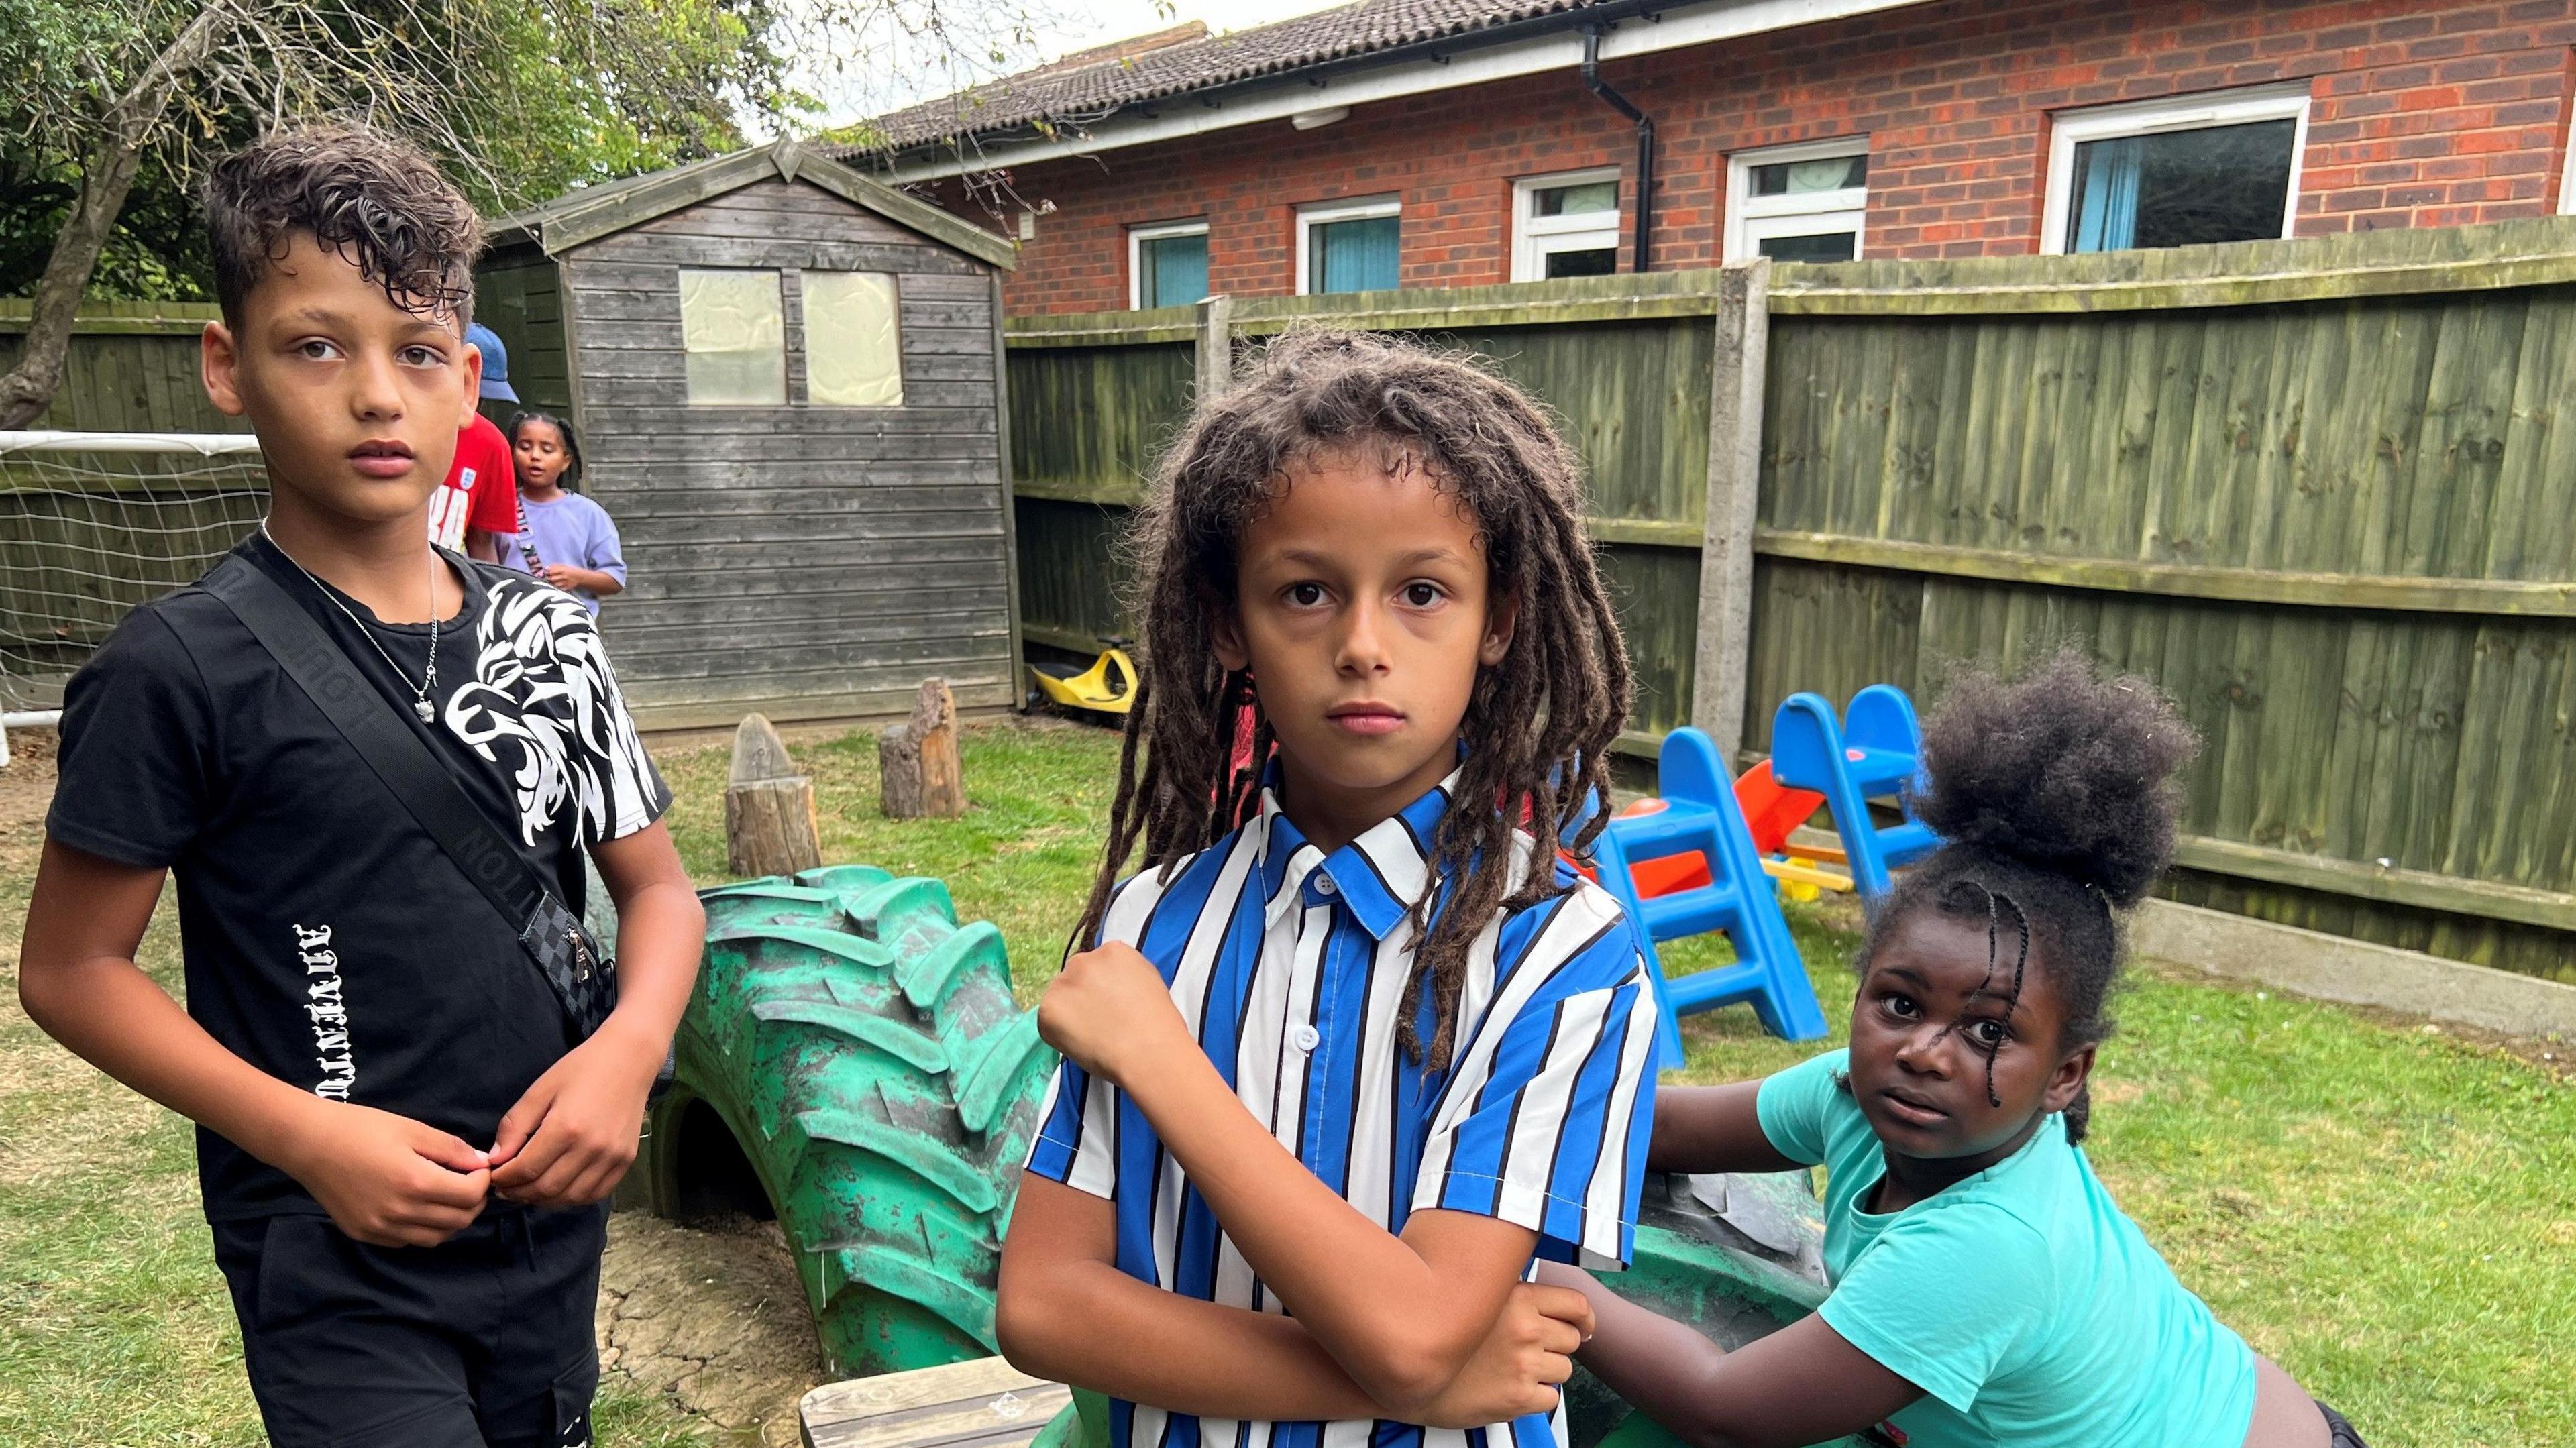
point(329, 941)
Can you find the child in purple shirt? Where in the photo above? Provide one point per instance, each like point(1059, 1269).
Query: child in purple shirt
point(564, 538)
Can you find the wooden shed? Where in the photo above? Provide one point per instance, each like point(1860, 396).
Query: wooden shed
point(787, 382)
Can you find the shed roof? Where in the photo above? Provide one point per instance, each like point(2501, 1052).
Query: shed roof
point(1124, 76)
point(591, 212)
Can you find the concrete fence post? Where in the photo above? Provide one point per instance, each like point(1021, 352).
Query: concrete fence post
point(1722, 658)
point(1216, 345)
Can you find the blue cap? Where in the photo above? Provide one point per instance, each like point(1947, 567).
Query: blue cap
point(496, 363)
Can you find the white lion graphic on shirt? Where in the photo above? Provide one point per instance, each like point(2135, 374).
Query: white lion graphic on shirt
point(544, 705)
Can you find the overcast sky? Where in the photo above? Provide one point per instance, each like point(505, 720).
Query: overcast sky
point(897, 73)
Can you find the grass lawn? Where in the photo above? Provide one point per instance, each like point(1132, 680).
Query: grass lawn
point(2386, 1211)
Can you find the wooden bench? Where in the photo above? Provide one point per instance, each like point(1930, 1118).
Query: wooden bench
point(982, 1404)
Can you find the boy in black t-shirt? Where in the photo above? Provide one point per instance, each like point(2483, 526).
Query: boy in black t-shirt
point(402, 1147)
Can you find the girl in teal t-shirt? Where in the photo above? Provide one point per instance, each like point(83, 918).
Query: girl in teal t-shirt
point(1986, 1289)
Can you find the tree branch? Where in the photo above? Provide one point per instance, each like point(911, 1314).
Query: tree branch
point(107, 174)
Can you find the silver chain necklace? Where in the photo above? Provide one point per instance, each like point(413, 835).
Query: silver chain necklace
point(420, 704)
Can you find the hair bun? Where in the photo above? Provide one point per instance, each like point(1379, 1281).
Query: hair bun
point(2061, 769)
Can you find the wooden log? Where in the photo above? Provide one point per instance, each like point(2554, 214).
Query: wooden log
point(917, 761)
point(986, 1403)
point(770, 825)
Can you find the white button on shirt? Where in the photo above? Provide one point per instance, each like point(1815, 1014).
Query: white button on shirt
point(1306, 1038)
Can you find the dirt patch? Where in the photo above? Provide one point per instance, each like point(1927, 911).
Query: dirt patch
point(715, 1318)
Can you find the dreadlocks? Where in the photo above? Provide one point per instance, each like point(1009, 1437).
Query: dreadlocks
point(2055, 797)
point(1538, 726)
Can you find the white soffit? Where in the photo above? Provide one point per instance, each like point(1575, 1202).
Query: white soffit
point(1471, 64)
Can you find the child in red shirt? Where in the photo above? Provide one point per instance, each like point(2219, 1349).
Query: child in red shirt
point(480, 498)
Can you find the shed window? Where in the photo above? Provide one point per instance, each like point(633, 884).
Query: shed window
point(735, 334)
point(2180, 172)
point(853, 340)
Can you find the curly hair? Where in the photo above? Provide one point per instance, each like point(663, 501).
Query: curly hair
point(2055, 797)
point(1538, 726)
point(375, 199)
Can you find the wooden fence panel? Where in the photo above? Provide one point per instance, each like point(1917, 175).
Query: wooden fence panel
point(1632, 397)
point(1071, 574)
point(2318, 491)
point(1091, 416)
point(1090, 421)
point(2294, 462)
point(131, 367)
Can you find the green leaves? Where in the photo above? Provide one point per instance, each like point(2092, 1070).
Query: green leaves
point(523, 99)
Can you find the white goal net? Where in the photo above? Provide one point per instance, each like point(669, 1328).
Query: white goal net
point(93, 523)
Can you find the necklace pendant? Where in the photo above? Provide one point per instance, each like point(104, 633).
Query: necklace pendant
point(427, 711)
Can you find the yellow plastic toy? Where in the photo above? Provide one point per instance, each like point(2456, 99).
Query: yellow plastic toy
point(1107, 687)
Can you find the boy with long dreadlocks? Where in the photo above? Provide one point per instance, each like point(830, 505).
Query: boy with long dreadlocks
point(1353, 1051)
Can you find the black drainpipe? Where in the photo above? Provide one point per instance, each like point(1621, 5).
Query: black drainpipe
point(1645, 141)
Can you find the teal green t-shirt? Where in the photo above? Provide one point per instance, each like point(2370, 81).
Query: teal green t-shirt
point(2022, 1303)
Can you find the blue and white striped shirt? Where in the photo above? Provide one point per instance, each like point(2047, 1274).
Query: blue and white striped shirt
point(1289, 965)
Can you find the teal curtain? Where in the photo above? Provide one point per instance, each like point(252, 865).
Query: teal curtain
point(2106, 207)
point(1176, 270)
point(1352, 256)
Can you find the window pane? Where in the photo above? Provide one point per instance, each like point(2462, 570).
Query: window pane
point(1575, 200)
point(1827, 246)
point(1175, 270)
point(731, 328)
point(2181, 188)
point(1796, 178)
point(853, 340)
point(1599, 263)
point(1352, 256)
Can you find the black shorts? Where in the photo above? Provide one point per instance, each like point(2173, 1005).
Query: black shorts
point(484, 1341)
point(2339, 1434)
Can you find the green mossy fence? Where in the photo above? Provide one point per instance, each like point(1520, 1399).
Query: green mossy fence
point(131, 367)
point(2322, 492)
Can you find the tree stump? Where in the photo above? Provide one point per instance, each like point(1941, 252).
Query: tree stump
point(770, 828)
point(917, 759)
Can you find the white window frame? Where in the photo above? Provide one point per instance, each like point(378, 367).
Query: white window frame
point(2202, 111)
point(1322, 213)
point(1751, 219)
point(1535, 238)
point(1137, 236)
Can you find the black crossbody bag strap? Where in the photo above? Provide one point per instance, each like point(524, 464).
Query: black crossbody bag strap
point(582, 979)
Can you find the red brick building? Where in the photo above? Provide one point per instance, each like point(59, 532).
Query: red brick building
point(1457, 142)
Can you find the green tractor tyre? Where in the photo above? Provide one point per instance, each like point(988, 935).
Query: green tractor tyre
point(853, 1062)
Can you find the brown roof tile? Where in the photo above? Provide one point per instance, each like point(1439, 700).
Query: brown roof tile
point(1072, 94)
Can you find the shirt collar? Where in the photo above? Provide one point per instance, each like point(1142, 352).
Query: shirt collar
point(1378, 875)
